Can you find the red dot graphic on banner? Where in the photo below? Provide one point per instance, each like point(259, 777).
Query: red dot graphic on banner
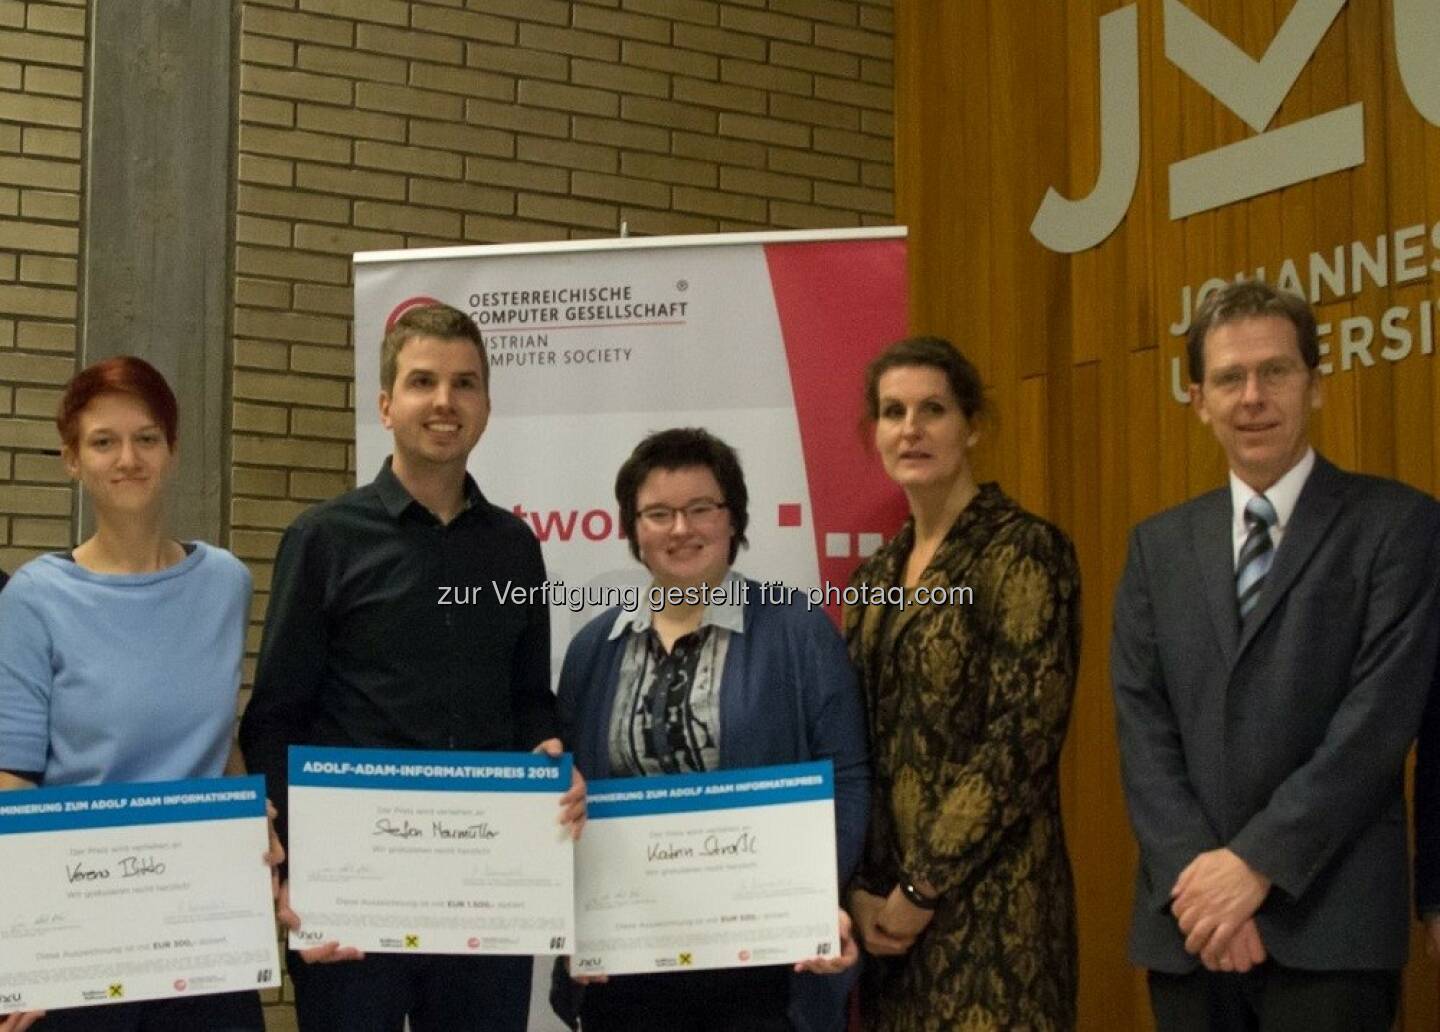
point(789, 514)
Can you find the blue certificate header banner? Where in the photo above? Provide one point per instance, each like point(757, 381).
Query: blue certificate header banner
point(424, 771)
point(113, 806)
point(714, 790)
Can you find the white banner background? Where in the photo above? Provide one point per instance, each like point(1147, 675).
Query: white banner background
point(572, 390)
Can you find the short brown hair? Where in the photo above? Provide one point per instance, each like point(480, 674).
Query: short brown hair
point(683, 448)
point(937, 353)
point(437, 320)
point(122, 374)
point(1250, 299)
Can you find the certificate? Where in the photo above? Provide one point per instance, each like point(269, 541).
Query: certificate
point(724, 869)
point(117, 893)
point(430, 852)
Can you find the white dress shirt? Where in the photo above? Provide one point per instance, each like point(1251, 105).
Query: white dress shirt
point(1283, 494)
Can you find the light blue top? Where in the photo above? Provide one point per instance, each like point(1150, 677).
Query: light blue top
point(121, 677)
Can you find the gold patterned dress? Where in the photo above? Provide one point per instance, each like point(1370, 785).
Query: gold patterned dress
point(968, 707)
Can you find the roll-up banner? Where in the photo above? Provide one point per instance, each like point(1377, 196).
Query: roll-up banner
point(761, 338)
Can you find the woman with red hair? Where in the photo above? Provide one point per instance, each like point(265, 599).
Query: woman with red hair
point(120, 659)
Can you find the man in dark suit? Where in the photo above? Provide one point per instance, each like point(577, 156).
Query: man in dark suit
point(3, 578)
point(1274, 643)
point(1427, 820)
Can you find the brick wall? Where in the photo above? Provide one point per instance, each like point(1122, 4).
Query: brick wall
point(369, 124)
point(42, 55)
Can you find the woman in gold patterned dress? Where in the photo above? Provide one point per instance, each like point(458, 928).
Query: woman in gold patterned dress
point(964, 898)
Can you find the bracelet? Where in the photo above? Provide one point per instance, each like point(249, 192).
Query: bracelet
point(916, 897)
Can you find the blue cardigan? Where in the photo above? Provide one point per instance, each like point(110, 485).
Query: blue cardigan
point(788, 694)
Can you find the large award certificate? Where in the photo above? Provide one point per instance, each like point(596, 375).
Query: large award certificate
point(117, 893)
point(430, 852)
point(724, 869)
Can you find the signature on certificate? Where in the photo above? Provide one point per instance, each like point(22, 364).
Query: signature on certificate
point(127, 867)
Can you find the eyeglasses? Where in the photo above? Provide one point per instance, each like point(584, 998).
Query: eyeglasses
point(1270, 375)
point(662, 517)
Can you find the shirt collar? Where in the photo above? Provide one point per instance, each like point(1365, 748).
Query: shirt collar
point(726, 610)
point(1283, 494)
point(397, 499)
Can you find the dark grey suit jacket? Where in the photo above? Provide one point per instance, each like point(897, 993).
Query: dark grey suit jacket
point(1286, 742)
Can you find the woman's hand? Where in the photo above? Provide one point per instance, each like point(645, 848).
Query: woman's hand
point(866, 908)
point(326, 953)
point(900, 922)
point(849, 953)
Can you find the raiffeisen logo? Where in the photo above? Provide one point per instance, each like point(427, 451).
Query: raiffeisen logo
point(405, 306)
point(1253, 90)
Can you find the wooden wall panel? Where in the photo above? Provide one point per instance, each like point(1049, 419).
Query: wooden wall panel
point(998, 102)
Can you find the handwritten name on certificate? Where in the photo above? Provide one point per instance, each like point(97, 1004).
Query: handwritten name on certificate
point(117, 893)
point(398, 851)
point(724, 869)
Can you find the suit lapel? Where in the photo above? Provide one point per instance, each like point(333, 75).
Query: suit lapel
point(1315, 510)
point(1215, 557)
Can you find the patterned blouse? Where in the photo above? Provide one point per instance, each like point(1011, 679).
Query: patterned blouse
point(666, 718)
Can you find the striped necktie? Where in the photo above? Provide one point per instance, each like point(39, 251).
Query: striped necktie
point(1256, 554)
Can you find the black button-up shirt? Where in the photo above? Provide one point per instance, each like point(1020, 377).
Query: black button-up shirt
point(384, 630)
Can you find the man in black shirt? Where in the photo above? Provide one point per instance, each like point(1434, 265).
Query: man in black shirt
point(361, 650)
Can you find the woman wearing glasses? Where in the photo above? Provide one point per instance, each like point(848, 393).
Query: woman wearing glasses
point(692, 687)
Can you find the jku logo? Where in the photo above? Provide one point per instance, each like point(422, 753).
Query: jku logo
point(1253, 90)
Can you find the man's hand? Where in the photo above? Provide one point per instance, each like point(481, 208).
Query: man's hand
point(325, 953)
point(274, 856)
point(1432, 934)
point(1213, 897)
point(1244, 952)
point(572, 803)
point(849, 953)
point(19, 1021)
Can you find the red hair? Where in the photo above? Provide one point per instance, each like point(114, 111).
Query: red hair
point(123, 374)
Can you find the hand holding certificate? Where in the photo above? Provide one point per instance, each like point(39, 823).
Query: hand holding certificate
point(134, 892)
point(425, 852)
point(724, 869)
